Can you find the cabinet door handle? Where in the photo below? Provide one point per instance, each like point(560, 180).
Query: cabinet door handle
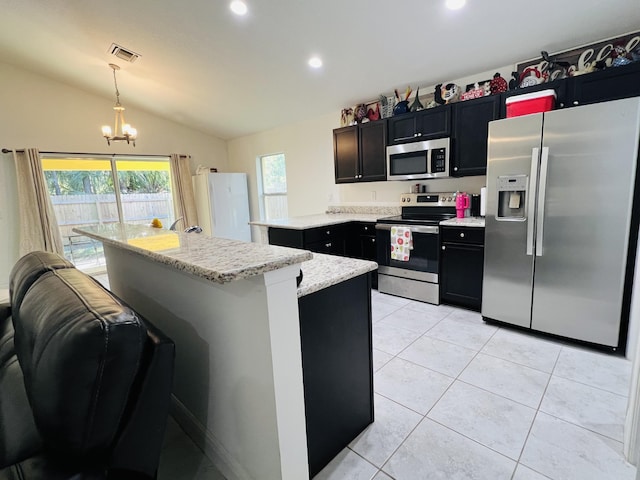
point(461, 234)
point(576, 102)
point(327, 244)
point(419, 134)
point(443, 247)
point(356, 176)
point(455, 169)
point(328, 232)
point(373, 240)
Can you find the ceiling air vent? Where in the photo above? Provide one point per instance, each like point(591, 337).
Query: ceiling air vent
point(123, 54)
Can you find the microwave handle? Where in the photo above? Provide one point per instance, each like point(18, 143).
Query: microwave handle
point(400, 139)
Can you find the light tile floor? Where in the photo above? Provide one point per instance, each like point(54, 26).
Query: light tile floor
point(456, 398)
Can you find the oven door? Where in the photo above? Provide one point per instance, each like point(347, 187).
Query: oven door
point(423, 259)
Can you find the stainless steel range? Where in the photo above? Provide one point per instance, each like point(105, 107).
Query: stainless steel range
point(415, 276)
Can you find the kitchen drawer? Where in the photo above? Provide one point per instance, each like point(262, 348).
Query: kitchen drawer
point(321, 234)
point(363, 228)
point(330, 247)
point(470, 235)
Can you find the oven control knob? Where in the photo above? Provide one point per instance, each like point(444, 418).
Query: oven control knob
point(408, 200)
point(403, 199)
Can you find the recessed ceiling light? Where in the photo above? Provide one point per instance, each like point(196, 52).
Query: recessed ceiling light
point(455, 4)
point(315, 62)
point(238, 7)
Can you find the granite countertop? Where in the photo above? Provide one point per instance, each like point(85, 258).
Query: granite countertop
point(325, 270)
point(216, 259)
point(319, 220)
point(477, 222)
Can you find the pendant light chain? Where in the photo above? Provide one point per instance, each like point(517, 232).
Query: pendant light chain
point(115, 82)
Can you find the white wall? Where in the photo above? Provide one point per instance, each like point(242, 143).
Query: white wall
point(51, 116)
point(308, 149)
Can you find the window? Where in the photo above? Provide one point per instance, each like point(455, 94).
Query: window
point(272, 186)
point(82, 193)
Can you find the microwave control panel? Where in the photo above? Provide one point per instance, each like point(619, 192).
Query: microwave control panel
point(438, 160)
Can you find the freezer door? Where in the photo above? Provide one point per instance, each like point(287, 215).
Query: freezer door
point(513, 152)
point(229, 206)
point(585, 220)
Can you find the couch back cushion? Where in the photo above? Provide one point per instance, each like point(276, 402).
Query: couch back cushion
point(28, 269)
point(79, 349)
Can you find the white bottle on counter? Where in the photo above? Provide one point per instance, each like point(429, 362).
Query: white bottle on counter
point(483, 201)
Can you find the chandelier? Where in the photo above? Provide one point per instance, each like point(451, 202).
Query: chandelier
point(121, 131)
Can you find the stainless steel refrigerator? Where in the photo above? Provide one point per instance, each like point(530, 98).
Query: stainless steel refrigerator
point(559, 226)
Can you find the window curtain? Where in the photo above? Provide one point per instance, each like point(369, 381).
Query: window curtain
point(38, 225)
point(183, 198)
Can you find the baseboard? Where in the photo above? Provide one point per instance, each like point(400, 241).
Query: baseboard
point(211, 447)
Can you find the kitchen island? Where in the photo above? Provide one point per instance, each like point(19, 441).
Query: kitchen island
point(232, 309)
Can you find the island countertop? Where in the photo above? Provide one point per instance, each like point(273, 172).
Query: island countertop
point(326, 270)
point(216, 259)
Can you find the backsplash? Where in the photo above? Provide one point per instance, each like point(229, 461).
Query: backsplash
point(386, 210)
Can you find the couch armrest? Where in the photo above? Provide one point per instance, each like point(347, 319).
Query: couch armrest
point(5, 311)
point(146, 418)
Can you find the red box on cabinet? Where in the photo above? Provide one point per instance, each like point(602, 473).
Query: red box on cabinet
point(535, 102)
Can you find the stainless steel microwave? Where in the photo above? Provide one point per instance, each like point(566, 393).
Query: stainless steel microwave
point(418, 160)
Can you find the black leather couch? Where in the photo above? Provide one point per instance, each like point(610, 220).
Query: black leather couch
point(85, 383)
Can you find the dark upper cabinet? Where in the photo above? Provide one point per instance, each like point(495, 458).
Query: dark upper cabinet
point(373, 151)
point(612, 83)
point(470, 130)
point(422, 125)
point(360, 152)
point(345, 154)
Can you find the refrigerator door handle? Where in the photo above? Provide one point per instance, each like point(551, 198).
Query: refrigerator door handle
point(542, 192)
point(531, 207)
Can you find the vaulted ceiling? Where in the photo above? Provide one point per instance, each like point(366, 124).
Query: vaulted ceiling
point(230, 76)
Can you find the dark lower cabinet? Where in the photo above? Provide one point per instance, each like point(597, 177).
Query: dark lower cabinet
point(330, 239)
point(361, 243)
point(337, 367)
point(461, 266)
point(354, 239)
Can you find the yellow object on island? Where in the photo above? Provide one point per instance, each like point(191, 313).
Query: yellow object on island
point(156, 223)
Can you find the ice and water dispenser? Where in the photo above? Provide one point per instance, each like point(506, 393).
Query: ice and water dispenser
point(512, 192)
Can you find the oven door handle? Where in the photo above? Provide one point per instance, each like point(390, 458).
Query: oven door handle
point(412, 228)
